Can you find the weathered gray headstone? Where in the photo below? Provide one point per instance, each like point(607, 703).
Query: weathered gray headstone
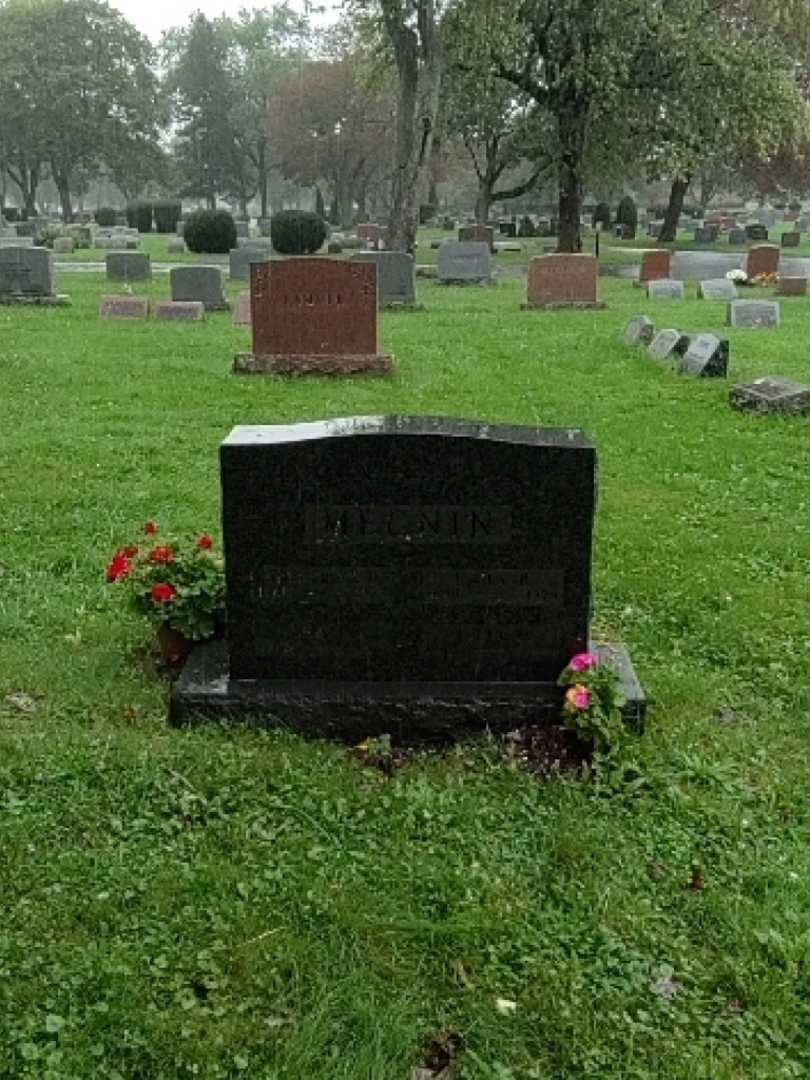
point(639, 331)
point(717, 289)
point(756, 231)
point(241, 309)
point(753, 314)
point(26, 272)
point(706, 357)
point(199, 283)
point(176, 245)
point(242, 257)
point(771, 394)
point(465, 263)
point(128, 266)
point(737, 236)
point(396, 285)
point(666, 289)
point(16, 241)
point(242, 228)
point(123, 307)
point(666, 343)
point(791, 239)
point(706, 234)
point(63, 245)
point(180, 310)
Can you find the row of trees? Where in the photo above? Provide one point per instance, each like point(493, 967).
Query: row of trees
point(530, 92)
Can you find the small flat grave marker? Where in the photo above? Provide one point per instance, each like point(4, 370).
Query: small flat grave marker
point(180, 310)
point(717, 289)
point(667, 343)
point(792, 286)
point(706, 357)
point(124, 307)
point(639, 331)
point(666, 290)
point(753, 314)
point(771, 394)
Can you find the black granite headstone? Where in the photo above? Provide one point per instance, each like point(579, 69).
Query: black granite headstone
point(376, 561)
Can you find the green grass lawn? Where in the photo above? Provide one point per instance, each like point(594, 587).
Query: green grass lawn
point(227, 902)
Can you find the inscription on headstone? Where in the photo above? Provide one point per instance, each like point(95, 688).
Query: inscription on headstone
point(666, 290)
point(717, 289)
point(666, 343)
point(753, 314)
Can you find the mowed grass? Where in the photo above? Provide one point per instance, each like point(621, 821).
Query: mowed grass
point(226, 902)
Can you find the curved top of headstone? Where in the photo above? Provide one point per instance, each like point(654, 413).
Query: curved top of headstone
point(276, 434)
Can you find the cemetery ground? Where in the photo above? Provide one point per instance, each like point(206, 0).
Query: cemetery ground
point(231, 902)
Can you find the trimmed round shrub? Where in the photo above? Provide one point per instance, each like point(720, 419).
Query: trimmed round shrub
point(210, 232)
point(626, 213)
point(167, 213)
point(297, 232)
point(139, 216)
point(105, 217)
point(602, 215)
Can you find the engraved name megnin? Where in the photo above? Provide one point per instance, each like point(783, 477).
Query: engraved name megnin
point(327, 524)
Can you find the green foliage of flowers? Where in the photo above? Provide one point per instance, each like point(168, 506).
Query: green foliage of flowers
point(593, 703)
point(179, 583)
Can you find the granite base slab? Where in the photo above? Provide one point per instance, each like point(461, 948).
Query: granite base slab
point(394, 305)
point(351, 711)
point(35, 301)
point(354, 364)
point(582, 305)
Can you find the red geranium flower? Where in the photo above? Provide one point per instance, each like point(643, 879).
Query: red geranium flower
point(131, 550)
point(161, 554)
point(162, 593)
point(205, 542)
point(118, 566)
point(150, 528)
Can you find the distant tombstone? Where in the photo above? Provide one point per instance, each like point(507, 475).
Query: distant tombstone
point(508, 228)
point(667, 343)
point(771, 394)
point(63, 245)
point(128, 266)
point(448, 224)
point(481, 234)
point(625, 232)
point(123, 307)
point(791, 239)
point(26, 276)
point(756, 231)
point(199, 283)
point(762, 259)
point(666, 290)
point(656, 265)
point(334, 248)
point(465, 263)
point(370, 235)
point(241, 259)
point(176, 246)
point(396, 280)
point(792, 286)
point(242, 228)
point(706, 357)
point(241, 310)
point(717, 289)
point(313, 316)
point(436, 243)
point(562, 281)
point(753, 314)
point(737, 236)
point(17, 241)
point(180, 310)
point(639, 331)
point(421, 572)
point(707, 234)
point(263, 224)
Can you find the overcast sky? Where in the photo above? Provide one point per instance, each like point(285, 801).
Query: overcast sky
point(152, 17)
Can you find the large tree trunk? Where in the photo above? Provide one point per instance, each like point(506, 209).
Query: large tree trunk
point(419, 66)
point(572, 121)
point(483, 200)
point(677, 193)
point(61, 178)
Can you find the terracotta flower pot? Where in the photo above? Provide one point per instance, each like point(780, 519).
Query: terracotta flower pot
point(174, 646)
